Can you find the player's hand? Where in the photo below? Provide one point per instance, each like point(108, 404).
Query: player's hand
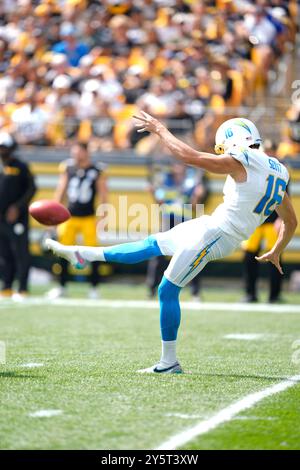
point(146, 122)
point(273, 258)
point(12, 214)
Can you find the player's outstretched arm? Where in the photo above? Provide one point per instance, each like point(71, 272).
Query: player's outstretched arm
point(223, 164)
point(288, 226)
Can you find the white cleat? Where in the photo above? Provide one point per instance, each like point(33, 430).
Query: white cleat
point(19, 297)
point(57, 293)
point(69, 253)
point(158, 369)
point(93, 294)
point(196, 299)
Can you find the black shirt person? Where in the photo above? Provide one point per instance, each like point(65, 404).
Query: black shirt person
point(17, 188)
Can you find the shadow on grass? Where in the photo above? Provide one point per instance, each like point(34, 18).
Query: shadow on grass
point(17, 375)
point(242, 376)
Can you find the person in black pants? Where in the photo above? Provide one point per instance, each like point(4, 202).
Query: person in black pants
point(17, 188)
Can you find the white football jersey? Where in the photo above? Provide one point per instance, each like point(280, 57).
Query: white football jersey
point(247, 205)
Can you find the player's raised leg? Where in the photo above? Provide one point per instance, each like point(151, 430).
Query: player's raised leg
point(164, 243)
point(128, 253)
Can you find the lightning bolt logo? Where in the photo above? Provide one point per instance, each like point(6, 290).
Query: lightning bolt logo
point(244, 152)
point(246, 155)
point(199, 257)
point(243, 124)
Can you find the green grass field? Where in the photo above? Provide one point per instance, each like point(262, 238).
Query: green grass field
point(90, 354)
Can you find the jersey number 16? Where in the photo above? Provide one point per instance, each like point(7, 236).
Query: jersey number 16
point(273, 195)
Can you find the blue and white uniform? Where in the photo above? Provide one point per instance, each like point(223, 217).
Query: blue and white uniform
point(194, 243)
point(246, 205)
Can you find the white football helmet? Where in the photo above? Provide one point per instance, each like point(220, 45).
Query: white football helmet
point(236, 132)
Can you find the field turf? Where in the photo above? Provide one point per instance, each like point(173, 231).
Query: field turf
point(88, 356)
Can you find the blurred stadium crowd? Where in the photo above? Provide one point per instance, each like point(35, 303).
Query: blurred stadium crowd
point(79, 69)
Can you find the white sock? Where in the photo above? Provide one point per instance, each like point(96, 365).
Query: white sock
point(91, 253)
point(168, 353)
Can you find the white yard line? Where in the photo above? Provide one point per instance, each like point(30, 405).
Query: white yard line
point(227, 414)
point(151, 304)
point(245, 336)
point(45, 413)
point(254, 418)
point(32, 365)
point(183, 416)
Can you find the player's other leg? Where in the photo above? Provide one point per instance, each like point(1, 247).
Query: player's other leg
point(170, 316)
point(127, 253)
point(203, 242)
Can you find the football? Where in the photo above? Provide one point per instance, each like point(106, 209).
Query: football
point(49, 212)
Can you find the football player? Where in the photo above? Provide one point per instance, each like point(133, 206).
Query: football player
point(255, 186)
point(80, 182)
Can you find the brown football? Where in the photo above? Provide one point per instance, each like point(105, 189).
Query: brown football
point(48, 212)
